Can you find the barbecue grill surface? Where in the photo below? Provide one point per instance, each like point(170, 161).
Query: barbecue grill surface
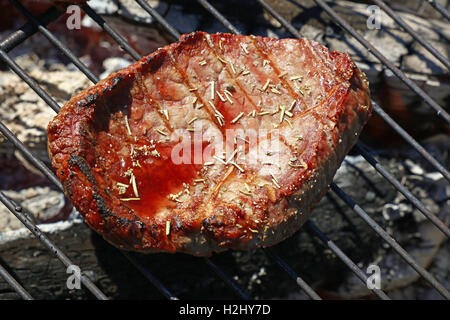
point(265, 263)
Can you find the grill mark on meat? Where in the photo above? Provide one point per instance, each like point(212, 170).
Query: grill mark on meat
point(241, 88)
point(149, 190)
point(261, 73)
point(162, 53)
point(219, 52)
point(231, 73)
point(220, 105)
point(280, 137)
point(265, 80)
point(319, 53)
point(336, 86)
point(323, 86)
point(260, 47)
point(188, 82)
point(331, 94)
point(244, 89)
point(230, 172)
point(188, 85)
point(103, 208)
point(327, 70)
point(225, 174)
point(316, 57)
point(86, 132)
point(151, 100)
point(304, 113)
point(319, 61)
point(299, 65)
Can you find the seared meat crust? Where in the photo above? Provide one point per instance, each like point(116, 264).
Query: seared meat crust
point(113, 145)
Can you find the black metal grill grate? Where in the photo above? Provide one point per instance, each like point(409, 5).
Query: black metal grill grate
point(36, 24)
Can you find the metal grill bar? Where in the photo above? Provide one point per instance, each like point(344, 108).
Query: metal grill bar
point(402, 252)
point(154, 280)
point(54, 40)
point(14, 284)
point(280, 19)
point(17, 211)
point(29, 156)
point(440, 8)
point(115, 35)
point(376, 107)
point(363, 176)
point(171, 30)
point(219, 16)
point(20, 38)
point(408, 195)
point(413, 86)
point(344, 258)
point(413, 33)
point(28, 30)
point(77, 62)
point(410, 140)
point(242, 294)
point(33, 84)
point(301, 283)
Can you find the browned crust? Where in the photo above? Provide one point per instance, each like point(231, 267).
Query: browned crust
point(69, 151)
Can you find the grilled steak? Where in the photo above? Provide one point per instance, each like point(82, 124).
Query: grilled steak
point(201, 146)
